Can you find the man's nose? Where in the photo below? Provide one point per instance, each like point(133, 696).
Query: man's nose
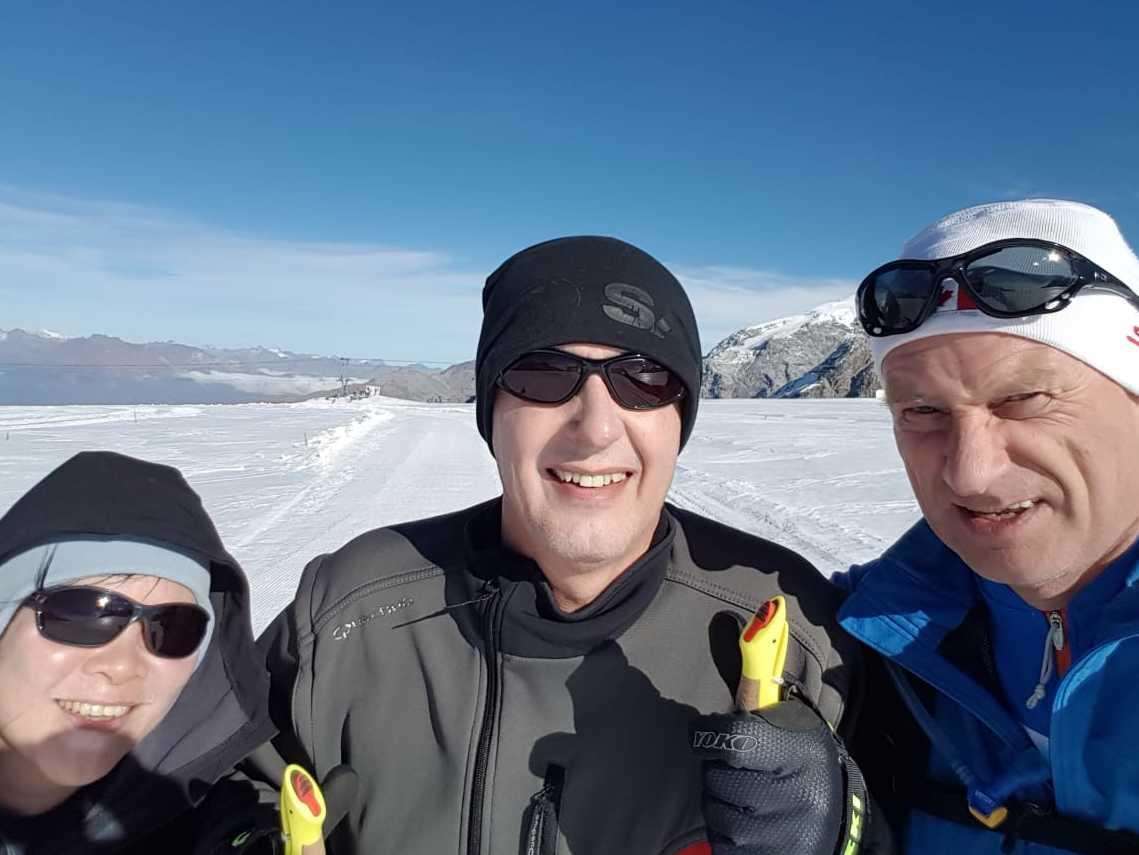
point(597, 421)
point(975, 454)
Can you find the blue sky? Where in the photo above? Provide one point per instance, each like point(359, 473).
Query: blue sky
point(340, 180)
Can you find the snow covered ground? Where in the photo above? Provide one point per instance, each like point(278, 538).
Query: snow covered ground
point(285, 482)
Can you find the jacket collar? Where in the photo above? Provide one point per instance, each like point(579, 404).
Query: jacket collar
point(532, 624)
point(907, 602)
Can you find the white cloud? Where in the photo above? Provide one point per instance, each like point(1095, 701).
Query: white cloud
point(262, 384)
point(84, 266)
point(139, 273)
point(727, 299)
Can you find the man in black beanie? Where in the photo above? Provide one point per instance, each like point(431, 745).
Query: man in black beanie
point(586, 289)
point(523, 675)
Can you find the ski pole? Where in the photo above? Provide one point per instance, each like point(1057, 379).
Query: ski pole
point(763, 647)
point(302, 813)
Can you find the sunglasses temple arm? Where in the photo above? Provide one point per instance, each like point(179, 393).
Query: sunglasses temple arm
point(1115, 288)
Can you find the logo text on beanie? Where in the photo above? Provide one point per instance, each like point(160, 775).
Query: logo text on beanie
point(1134, 341)
point(631, 305)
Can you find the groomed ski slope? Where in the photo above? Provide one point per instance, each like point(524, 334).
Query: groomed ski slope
point(285, 482)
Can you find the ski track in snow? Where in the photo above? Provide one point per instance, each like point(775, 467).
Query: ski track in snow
point(815, 532)
point(821, 477)
point(287, 482)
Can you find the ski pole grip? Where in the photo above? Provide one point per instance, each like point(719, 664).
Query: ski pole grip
point(302, 812)
point(763, 651)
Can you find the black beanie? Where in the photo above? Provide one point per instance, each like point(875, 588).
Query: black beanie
point(589, 290)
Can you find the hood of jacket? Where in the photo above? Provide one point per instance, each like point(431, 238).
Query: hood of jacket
point(221, 714)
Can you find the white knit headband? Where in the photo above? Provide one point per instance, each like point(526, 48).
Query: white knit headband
point(1100, 329)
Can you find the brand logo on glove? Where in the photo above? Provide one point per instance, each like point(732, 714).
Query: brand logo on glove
point(740, 742)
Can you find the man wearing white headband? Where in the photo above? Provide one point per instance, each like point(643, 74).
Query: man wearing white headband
point(1007, 338)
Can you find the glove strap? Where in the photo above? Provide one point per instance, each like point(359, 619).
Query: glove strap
point(856, 815)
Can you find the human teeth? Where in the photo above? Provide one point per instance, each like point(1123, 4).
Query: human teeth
point(95, 711)
point(1010, 511)
point(590, 481)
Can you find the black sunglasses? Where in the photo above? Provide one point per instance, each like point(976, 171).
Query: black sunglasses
point(91, 617)
point(1006, 279)
point(636, 382)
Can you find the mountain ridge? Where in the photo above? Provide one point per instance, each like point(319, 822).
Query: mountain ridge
point(822, 353)
point(48, 368)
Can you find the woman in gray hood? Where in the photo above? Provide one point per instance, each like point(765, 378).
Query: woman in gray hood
point(129, 682)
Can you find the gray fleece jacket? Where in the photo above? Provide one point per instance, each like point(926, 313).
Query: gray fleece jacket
point(482, 720)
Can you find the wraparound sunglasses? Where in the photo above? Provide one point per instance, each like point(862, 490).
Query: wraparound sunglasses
point(91, 617)
point(636, 382)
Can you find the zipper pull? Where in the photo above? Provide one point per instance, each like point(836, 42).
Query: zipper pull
point(1053, 644)
point(489, 592)
point(1056, 623)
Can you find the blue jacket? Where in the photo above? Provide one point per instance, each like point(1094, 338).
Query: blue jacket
point(906, 603)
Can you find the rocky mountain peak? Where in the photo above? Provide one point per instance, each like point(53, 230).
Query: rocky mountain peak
point(818, 354)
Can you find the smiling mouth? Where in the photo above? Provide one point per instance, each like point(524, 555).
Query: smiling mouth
point(1006, 513)
point(95, 712)
point(588, 480)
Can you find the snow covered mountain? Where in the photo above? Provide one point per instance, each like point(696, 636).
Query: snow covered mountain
point(819, 354)
point(48, 368)
point(454, 385)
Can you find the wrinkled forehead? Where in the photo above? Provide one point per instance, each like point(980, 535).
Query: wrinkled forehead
point(976, 364)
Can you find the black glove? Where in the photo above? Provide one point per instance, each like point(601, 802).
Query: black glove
point(255, 828)
point(778, 781)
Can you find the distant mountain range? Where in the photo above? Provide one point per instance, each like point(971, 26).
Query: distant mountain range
point(819, 354)
point(47, 368)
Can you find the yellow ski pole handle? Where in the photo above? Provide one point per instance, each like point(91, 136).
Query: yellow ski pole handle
point(302, 813)
point(763, 649)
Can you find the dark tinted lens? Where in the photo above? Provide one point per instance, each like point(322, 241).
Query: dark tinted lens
point(176, 630)
point(894, 299)
point(547, 378)
point(83, 616)
point(1020, 278)
point(642, 384)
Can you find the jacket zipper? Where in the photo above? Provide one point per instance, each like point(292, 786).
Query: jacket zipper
point(542, 814)
point(1057, 656)
point(1058, 623)
point(490, 713)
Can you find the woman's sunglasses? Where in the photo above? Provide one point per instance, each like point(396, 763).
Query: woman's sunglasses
point(636, 382)
point(91, 617)
point(1006, 279)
